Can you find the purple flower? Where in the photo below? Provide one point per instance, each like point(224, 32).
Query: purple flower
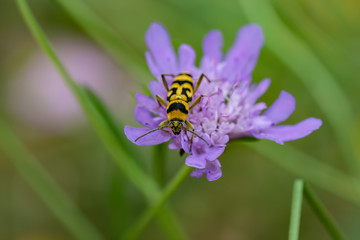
point(230, 109)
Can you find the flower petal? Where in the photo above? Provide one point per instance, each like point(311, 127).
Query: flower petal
point(281, 134)
point(257, 108)
point(214, 152)
point(153, 138)
point(213, 170)
point(144, 117)
point(148, 102)
point(197, 173)
point(282, 108)
point(261, 122)
point(186, 58)
point(242, 56)
point(259, 90)
point(175, 144)
point(161, 49)
point(212, 53)
point(218, 138)
point(185, 142)
point(152, 66)
point(157, 88)
point(197, 161)
point(212, 46)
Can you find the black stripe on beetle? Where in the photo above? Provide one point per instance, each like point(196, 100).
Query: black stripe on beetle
point(173, 92)
point(177, 106)
point(177, 119)
point(184, 92)
point(181, 82)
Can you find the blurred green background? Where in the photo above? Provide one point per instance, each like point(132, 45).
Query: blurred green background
point(252, 199)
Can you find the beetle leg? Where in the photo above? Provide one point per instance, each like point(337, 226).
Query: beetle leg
point(199, 82)
point(160, 100)
point(197, 100)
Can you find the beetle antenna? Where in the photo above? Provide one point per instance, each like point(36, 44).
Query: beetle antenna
point(159, 128)
point(197, 135)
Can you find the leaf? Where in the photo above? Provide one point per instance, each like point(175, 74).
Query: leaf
point(101, 123)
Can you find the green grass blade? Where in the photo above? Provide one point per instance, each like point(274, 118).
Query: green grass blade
point(295, 216)
point(111, 124)
point(317, 78)
point(108, 137)
point(323, 215)
point(144, 220)
point(300, 189)
point(322, 43)
point(310, 169)
point(48, 191)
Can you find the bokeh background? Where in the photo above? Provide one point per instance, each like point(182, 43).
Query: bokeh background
point(252, 199)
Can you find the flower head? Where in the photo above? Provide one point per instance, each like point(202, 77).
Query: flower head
point(228, 111)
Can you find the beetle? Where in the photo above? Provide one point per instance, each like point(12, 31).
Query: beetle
point(179, 98)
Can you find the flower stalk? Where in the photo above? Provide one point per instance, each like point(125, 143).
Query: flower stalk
point(146, 217)
point(159, 163)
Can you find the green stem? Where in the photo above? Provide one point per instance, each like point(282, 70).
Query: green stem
point(323, 215)
point(140, 225)
point(170, 224)
point(159, 162)
point(296, 209)
point(46, 188)
point(300, 189)
point(166, 219)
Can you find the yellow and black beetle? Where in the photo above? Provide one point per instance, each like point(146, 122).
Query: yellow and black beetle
point(179, 98)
